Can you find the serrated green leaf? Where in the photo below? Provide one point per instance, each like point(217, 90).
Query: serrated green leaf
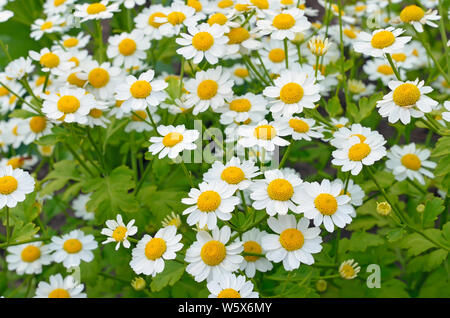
point(333, 106)
point(432, 209)
point(395, 234)
point(171, 274)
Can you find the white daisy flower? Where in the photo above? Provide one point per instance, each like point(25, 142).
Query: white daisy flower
point(304, 128)
point(72, 248)
point(225, 20)
point(293, 243)
point(203, 42)
point(77, 42)
point(95, 11)
point(264, 135)
point(69, 105)
point(241, 40)
point(408, 162)
point(150, 252)
point(37, 126)
point(252, 241)
point(293, 90)
point(22, 161)
point(417, 17)
point(273, 55)
point(209, 256)
point(343, 134)
point(406, 100)
point(138, 94)
point(230, 286)
point(19, 68)
point(57, 6)
point(349, 33)
point(233, 172)
point(211, 201)
point(128, 49)
point(57, 62)
point(173, 140)
point(208, 88)
point(60, 288)
point(5, 15)
point(380, 42)
point(96, 117)
point(239, 74)
point(145, 21)
point(284, 24)
point(380, 69)
point(325, 204)
point(354, 191)
point(50, 25)
point(359, 89)
point(278, 192)
point(349, 269)
point(14, 185)
point(28, 258)
point(79, 206)
point(246, 109)
point(178, 16)
point(354, 154)
point(102, 78)
point(118, 232)
point(140, 121)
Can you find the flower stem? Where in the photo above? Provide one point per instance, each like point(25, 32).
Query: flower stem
point(286, 55)
point(143, 177)
point(285, 155)
point(394, 68)
point(188, 175)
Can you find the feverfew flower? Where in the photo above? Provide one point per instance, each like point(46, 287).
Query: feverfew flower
point(212, 201)
point(173, 140)
point(19, 68)
point(417, 17)
point(118, 232)
point(381, 41)
point(293, 243)
point(128, 49)
point(95, 11)
point(49, 25)
point(284, 24)
point(150, 252)
point(252, 241)
point(60, 287)
point(263, 135)
point(28, 258)
point(349, 269)
point(246, 109)
point(230, 286)
point(14, 185)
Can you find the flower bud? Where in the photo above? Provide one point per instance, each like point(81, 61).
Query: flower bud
point(138, 283)
point(383, 208)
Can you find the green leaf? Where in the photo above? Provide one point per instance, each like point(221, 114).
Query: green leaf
point(416, 244)
point(395, 234)
point(442, 147)
point(360, 241)
point(171, 274)
point(22, 113)
point(334, 107)
point(432, 209)
point(110, 194)
point(63, 172)
point(428, 262)
point(443, 167)
point(23, 232)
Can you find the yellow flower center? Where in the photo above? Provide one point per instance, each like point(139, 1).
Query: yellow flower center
point(280, 190)
point(95, 8)
point(140, 89)
point(229, 293)
point(225, 4)
point(74, 80)
point(356, 87)
point(232, 175)
point(46, 25)
point(151, 19)
point(241, 7)
point(14, 130)
point(208, 201)
point(252, 247)
point(59, 293)
point(16, 162)
point(362, 138)
point(119, 233)
point(415, 53)
point(8, 184)
point(217, 18)
point(265, 132)
point(238, 35)
point(195, 4)
point(347, 271)
point(172, 138)
point(299, 125)
point(127, 47)
point(175, 17)
point(202, 41)
point(291, 239)
point(385, 69)
point(382, 39)
point(411, 13)
point(70, 42)
point(75, 60)
point(30, 253)
point(98, 77)
point(350, 33)
point(276, 55)
point(399, 57)
point(241, 72)
point(72, 246)
point(155, 248)
point(140, 114)
point(291, 93)
point(213, 253)
point(260, 4)
point(68, 104)
point(283, 21)
point(207, 89)
point(360, 8)
point(3, 91)
point(95, 113)
point(240, 105)
point(411, 161)
point(57, 3)
point(406, 95)
point(38, 124)
point(326, 203)
point(49, 60)
point(358, 151)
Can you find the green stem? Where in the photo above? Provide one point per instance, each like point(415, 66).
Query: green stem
point(394, 68)
point(264, 67)
point(286, 55)
point(188, 175)
point(77, 157)
point(7, 225)
point(286, 154)
point(443, 14)
point(143, 177)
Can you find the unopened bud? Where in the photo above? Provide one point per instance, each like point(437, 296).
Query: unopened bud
point(383, 208)
point(321, 285)
point(420, 208)
point(138, 283)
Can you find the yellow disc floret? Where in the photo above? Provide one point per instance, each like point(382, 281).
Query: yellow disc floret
point(207, 89)
point(208, 201)
point(240, 105)
point(49, 60)
point(30, 253)
point(68, 104)
point(155, 248)
point(291, 93)
point(326, 204)
point(291, 239)
point(299, 126)
point(95, 8)
point(59, 293)
point(202, 41)
point(280, 190)
point(127, 47)
point(411, 161)
point(8, 184)
point(238, 35)
point(283, 21)
point(140, 89)
point(98, 77)
point(406, 95)
point(252, 247)
point(276, 55)
point(213, 253)
point(382, 39)
point(172, 138)
point(37, 124)
point(229, 293)
point(411, 13)
point(72, 246)
point(232, 175)
point(358, 151)
point(265, 132)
